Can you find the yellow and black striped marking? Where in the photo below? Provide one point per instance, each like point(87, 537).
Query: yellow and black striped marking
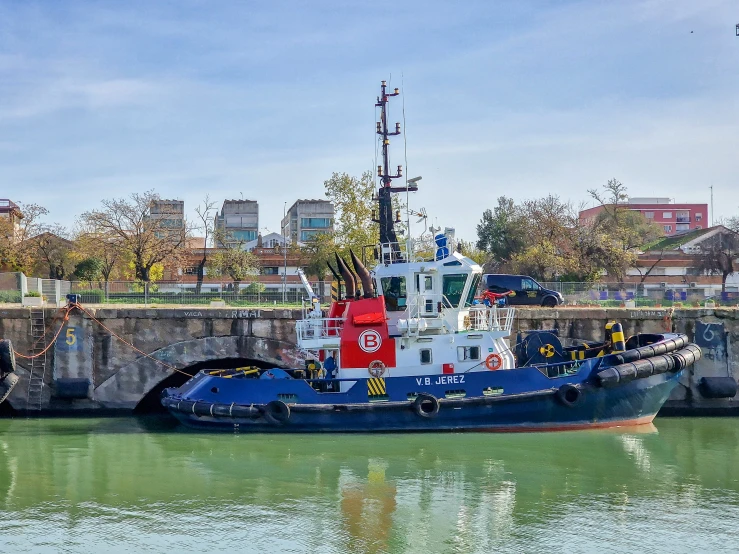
point(376, 387)
point(577, 354)
point(617, 336)
point(334, 291)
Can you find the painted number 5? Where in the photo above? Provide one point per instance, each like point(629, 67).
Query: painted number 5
point(71, 339)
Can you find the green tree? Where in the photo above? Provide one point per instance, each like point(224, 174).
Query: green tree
point(316, 254)
point(502, 232)
point(89, 269)
point(232, 260)
point(353, 204)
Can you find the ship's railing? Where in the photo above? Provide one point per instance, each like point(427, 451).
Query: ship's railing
point(318, 329)
point(421, 249)
point(484, 318)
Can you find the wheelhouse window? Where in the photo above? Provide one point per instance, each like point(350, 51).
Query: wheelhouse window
point(394, 292)
point(452, 289)
point(473, 290)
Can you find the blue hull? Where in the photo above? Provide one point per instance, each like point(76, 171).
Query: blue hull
point(530, 401)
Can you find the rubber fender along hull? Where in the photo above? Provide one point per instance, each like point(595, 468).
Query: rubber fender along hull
point(644, 368)
point(634, 402)
point(664, 346)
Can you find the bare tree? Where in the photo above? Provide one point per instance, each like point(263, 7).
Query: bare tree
point(206, 226)
point(717, 256)
point(148, 238)
point(54, 249)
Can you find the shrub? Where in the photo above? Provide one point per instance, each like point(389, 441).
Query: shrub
point(92, 296)
point(10, 296)
point(33, 294)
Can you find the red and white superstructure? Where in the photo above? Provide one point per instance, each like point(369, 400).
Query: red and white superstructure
point(415, 313)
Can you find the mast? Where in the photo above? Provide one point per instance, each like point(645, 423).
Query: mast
point(384, 195)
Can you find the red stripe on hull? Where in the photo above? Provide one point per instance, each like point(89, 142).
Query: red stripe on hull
point(570, 427)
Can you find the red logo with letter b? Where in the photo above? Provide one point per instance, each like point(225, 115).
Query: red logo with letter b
point(370, 341)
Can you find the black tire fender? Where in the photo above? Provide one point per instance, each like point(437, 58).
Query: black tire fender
point(7, 357)
point(549, 302)
point(569, 395)
point(426, 405)
point(7, 384)
point(277, 412)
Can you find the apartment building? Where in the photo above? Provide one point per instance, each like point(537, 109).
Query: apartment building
point(237, 222)
point(169, 214)
point(673, 218)
point(307, 218)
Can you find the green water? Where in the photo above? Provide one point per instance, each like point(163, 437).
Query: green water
point(144, 485)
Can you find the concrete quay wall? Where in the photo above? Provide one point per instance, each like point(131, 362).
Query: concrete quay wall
point(187, 338)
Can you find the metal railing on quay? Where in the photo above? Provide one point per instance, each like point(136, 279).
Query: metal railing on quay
point(648, 294)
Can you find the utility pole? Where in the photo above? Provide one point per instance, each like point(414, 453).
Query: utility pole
point(284, 250)
point(711, 187)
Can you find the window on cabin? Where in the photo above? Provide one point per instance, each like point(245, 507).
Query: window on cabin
point(465, 353)
point(425, 355)
point(394, 292)
point(452, 288)
point(473, 290)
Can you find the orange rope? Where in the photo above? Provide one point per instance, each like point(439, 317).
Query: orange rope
point(124, 341)
point(48, 325)
point(66, 318)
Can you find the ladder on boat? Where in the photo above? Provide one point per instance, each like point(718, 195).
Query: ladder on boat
point(37, 371)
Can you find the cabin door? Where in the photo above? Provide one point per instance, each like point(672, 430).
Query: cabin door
point(427, 304)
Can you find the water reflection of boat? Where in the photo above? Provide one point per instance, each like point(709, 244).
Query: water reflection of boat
point(473, 487)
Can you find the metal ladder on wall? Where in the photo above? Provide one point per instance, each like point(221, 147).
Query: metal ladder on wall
point(37, 370)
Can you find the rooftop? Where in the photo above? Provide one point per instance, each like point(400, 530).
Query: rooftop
point(674, 242)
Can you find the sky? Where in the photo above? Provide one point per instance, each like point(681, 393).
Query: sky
point(265, 100)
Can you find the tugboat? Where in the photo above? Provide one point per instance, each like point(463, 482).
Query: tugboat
point(408, 348)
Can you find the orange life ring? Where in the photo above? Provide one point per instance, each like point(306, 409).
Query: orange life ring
point(376, 368)
point(493, 362)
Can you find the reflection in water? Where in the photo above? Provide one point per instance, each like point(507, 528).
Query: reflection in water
point(124, 484)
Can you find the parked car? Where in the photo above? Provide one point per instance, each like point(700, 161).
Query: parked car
point(526, 291)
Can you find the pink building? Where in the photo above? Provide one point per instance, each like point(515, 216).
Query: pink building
point(673, 218)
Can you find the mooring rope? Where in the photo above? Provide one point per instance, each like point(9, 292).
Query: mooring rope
point(67, 310)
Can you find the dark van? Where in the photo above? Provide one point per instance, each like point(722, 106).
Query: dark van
point(527, 292)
